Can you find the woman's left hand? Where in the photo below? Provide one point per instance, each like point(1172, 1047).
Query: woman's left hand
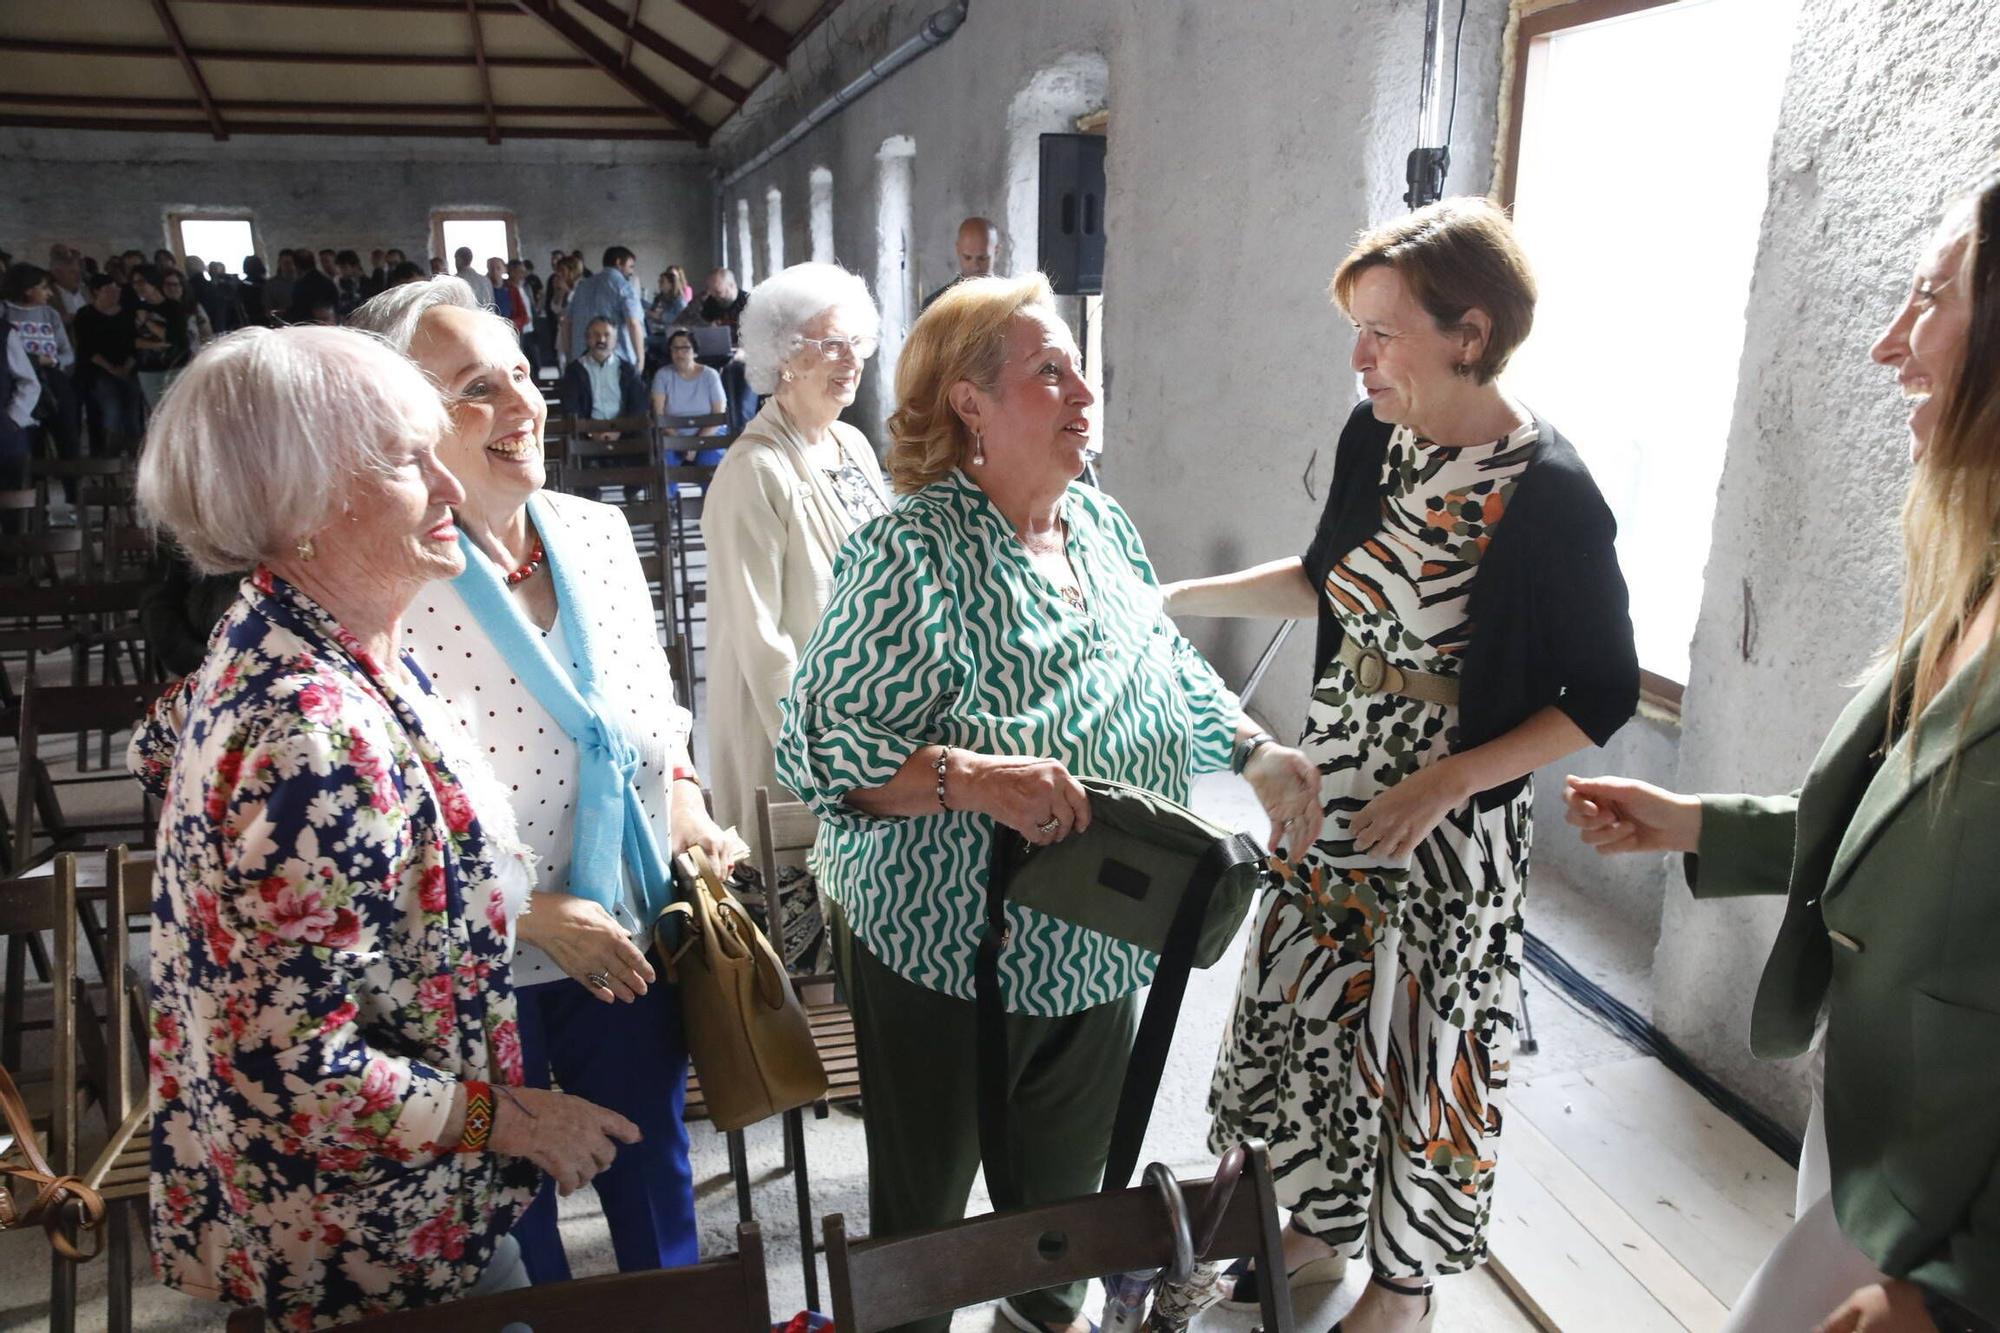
point(1890, 1306)
point(693, 828)
point(1391, 825)
point(1287, 786)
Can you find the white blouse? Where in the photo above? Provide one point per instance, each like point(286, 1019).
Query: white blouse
point(530, 755)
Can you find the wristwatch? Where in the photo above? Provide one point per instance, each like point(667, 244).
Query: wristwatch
point(1246, 749)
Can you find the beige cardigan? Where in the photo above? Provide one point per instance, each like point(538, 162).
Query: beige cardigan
point(772, 524)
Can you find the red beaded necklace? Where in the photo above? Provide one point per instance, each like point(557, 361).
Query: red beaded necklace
point(527, 570)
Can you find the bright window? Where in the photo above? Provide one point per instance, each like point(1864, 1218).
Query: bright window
point(774, 228)
point(1641, 181)
point(747, 278)
point(227, 241)
point(488, 234)
point(821, 215)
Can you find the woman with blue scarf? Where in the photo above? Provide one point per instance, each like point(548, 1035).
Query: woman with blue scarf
point(543, 646)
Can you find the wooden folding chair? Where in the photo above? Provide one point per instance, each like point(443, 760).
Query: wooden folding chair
point(121, 1171)
point(77, 708)
point(785, 832)
point(725, 1295)
point(890, 1280)
point(25, 506)
point(39, 559)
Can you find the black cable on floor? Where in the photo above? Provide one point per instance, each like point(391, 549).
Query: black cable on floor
point(1625, 1021)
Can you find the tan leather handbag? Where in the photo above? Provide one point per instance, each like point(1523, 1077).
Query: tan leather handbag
point(746, 1030)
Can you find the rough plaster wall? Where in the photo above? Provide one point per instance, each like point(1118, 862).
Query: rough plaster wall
point(953, 102)
point(1227, 215)
point(1881, 116)
point(111, 191)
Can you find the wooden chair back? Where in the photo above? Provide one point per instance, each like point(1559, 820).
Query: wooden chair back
point(725, 1295)
point(28, 559)
point(52, 710)
point(880, 1283)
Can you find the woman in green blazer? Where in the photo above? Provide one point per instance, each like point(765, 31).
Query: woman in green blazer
point(1890, 855)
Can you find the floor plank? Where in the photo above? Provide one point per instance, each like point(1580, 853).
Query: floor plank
point(1712, 1196)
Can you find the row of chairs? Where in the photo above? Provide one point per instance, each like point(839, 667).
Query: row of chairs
point(882, 1283)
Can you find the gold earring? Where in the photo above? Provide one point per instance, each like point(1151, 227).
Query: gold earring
point(305, 548)
point(787, 376)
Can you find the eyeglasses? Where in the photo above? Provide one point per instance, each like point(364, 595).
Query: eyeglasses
point(840, 349)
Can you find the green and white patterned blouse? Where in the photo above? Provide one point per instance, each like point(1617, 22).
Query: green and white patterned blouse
point(941, 631)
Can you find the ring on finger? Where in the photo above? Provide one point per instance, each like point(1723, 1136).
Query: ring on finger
point(601, 980)
point(1049, 825)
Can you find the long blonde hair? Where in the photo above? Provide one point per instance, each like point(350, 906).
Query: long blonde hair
point(1951, 517)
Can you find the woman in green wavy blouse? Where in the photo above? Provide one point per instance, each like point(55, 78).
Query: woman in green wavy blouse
point(998, 634)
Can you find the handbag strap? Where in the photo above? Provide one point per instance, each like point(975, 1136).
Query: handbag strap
point(1156, 1026)
point(53, 1193)
point(1163, 1004)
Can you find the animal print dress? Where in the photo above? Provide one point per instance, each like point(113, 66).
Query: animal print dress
point(1374, 1019)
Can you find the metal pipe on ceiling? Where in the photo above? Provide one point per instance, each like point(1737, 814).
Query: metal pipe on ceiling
point(936, 30)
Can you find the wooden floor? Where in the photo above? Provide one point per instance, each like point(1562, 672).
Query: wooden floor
point(1628, 1202)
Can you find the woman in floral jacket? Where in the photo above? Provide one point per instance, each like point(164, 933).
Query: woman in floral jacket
point(336, 1131)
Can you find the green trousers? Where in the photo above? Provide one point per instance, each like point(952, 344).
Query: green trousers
point(918, 1050)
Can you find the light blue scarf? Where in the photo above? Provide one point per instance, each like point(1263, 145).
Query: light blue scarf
point(612, 830)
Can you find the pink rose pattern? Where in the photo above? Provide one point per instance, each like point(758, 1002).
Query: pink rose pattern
point(323, 943)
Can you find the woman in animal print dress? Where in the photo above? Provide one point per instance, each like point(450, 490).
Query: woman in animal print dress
point(1472, 628)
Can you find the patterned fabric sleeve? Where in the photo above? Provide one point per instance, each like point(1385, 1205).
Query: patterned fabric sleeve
point(311, 831)
point(875, 675)
point(1213, 708)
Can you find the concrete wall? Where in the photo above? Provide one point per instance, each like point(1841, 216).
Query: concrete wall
point(1885, 110)
point(111, 191)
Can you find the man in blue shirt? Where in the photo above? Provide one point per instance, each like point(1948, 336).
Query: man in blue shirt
point(608, 294)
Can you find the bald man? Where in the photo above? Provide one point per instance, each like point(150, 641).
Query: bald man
point(978, 241)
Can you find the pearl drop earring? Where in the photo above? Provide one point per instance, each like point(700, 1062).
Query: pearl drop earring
point(978, 450)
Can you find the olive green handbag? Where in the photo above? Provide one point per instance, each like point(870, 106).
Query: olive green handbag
point(1147, 870)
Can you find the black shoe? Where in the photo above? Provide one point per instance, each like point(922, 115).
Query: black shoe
point(1402, 1288)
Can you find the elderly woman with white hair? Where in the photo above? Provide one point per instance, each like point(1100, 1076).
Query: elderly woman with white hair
point(787, 494)
point(338, 1127)
point(541, 648)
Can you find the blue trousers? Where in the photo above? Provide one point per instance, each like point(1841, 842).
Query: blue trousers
point(632, 1059)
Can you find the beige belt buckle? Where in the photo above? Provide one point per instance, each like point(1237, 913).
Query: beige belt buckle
point(1371, 670)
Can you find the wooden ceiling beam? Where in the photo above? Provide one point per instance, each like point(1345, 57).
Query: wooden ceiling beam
point(234, 107)
point(677, 55)
point(174, 38)
point(283, 127)
point(485, 78)
point(761, 35)
point(39, 47)
point(590, 48)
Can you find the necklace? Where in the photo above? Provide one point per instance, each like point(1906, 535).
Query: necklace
point(527, 570)
point(1074, 596)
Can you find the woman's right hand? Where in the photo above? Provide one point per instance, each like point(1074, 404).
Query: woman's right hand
point(1625, 815)
point(585, 942)
point(566, 1136)
point(1023, 794)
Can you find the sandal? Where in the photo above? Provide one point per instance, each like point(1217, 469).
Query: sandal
point(1401, 1288)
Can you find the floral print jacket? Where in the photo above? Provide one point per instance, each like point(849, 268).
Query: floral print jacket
point(329, 961)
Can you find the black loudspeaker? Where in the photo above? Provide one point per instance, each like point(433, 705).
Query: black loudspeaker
point(1072, 218)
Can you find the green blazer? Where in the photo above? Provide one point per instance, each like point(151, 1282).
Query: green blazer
point(1893, 926)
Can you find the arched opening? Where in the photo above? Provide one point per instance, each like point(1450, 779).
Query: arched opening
point(820, 203)
point(895, 170)
point(1051, 102)
point(747, 262)
point(774, 228)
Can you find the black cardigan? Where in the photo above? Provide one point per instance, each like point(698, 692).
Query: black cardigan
point(1548, 605)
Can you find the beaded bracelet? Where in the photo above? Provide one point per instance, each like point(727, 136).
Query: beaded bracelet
point(478, 1117)
point(944, 756)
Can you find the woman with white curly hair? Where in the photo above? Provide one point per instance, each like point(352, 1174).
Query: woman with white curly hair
point(785, 497)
